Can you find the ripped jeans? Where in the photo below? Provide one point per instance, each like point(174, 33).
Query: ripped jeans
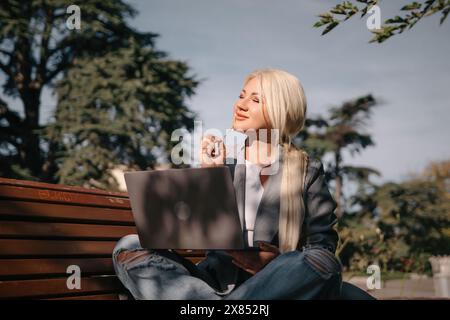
point(313, 273)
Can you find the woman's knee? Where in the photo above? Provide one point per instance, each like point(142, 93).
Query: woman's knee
point(323, 262)
point(321, 267)
point(320, 260)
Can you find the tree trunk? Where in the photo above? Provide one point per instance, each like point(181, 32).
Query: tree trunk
point(338, 189)
point(49, 167)
point(31, 155)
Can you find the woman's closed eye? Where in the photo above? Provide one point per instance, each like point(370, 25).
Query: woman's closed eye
point(255, 100)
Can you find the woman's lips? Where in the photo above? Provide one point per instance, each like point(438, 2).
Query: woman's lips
point(239, 116)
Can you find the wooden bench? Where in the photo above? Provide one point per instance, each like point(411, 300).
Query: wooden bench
point(44, 228)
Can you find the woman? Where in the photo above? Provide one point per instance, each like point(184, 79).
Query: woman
point(288, 212)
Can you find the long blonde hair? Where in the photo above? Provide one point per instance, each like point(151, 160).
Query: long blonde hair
point(285, 101)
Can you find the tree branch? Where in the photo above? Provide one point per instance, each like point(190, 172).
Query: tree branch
point(60, 67)
point(5, 52)
point(6, 133)
point(12, 117)
point(44, 46)
point(6, 70)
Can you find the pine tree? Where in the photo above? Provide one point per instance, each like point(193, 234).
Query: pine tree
point(36, 47)
point(343, 130)
point(118, 109)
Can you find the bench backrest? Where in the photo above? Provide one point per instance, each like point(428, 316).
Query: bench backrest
point(44, 228)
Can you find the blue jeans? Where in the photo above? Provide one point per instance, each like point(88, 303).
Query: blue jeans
point(313, 273)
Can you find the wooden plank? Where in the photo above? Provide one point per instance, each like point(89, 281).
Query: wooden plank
point(58, 286)
point(110, 296)
point(62, 212)
point(57, 196)
point(21, 247)
point(192, 253)
point(23, 229)
point(15, 247)
point(57, 266)
point(60, 187)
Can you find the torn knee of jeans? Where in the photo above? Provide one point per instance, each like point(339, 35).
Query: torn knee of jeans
point(126, 256)
point(317, 265)
point(150, 260)
point(325, 263)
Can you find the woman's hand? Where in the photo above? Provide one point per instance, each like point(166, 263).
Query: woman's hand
point(254, 261)
point(212, 151)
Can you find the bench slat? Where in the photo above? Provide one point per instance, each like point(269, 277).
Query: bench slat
point(60, 187)
point(13, 247)
point(16, 247)
point(46, 195)
point(62, 230)
point(26, 268)
point(49, 287)
point(41, 267)
point(63, 212)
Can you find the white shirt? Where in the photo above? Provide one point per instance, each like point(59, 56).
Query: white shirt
point(254, 191)
point(253, 194)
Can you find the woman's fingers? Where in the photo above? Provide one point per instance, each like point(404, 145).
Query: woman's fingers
point(212, 150)
point(207, 140)
point(205, 151)
point(222, 148)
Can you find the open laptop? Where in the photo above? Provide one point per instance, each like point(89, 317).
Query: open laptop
point(192, 208)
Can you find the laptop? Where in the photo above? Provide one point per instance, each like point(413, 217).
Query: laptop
point(193, 208)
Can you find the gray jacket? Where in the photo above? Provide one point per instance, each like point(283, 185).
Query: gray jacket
point(318, 225)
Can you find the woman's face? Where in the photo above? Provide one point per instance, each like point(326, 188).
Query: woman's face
point(248, 112)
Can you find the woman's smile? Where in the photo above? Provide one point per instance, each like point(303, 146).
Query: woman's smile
point(240, 116)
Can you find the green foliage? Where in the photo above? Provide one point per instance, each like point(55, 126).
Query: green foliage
point(399, 226)
point(117, 96)
point(346, 9)
point(120, 108)
point(415, 11)
point(35, 48)
point(342, 130)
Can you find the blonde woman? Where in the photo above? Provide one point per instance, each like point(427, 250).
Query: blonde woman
point(288, 212)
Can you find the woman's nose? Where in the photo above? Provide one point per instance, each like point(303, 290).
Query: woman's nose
point(243, 105)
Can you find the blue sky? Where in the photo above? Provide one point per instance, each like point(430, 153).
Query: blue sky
point(223, 41)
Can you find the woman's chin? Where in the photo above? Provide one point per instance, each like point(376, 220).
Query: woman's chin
point(240, 126)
